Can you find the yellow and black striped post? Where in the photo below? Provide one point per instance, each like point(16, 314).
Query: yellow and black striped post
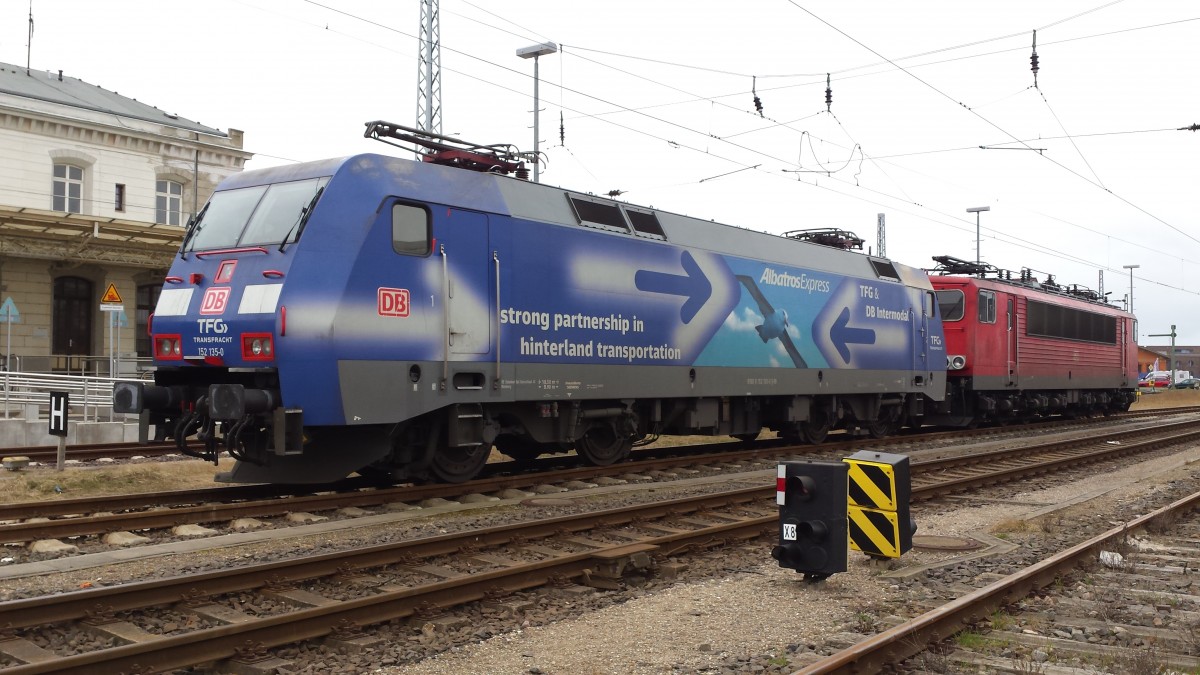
point(879, 489)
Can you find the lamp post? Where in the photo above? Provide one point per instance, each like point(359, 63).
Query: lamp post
point(976, 210)
point(534, 51)
point(1131, 268)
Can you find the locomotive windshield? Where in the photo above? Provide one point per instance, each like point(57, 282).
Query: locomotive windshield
point(951, 304)
point(263, 214)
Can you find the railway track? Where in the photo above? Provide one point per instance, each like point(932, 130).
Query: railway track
point(141, 512)
point(88, 452)
point(334, 595)
point(1134, 611)
point(394, 581)
point(48, 454)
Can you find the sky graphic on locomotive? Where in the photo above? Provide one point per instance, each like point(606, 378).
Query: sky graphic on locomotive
point(347, 307)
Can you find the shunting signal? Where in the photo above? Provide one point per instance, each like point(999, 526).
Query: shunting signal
point(812, 518)
point(878, 494)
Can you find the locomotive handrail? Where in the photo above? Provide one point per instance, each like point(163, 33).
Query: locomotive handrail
point(445, 317)
point(496, 381)
point(227, 251)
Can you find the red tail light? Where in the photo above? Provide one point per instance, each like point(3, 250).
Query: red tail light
point(168, 348)
point(258, 347)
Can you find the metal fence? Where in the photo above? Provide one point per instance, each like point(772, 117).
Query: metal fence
point(28, 394)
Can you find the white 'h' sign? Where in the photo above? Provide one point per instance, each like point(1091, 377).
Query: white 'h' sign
point(58, 413)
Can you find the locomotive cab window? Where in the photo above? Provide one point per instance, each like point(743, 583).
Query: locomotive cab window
point(987, 307)
point(951, 304)
point(282, 212)
point(263, 214)
point(410, 230)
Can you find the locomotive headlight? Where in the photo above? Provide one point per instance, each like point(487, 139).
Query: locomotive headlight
point(258, 346)
point(168, 347)
point(956, 362)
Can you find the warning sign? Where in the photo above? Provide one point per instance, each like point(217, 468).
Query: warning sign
point(111, 295)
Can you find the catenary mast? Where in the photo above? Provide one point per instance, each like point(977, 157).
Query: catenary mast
point(429, 70)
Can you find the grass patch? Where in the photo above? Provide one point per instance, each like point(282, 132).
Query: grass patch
point(978, 642)
point(76, 482)
point(1013, 526)
point(1167, 398)
point(1002, 620)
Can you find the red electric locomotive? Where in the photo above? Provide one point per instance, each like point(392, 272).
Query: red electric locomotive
point(1020, 349)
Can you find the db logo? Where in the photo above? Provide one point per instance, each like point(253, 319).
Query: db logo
point(393, 302)
point(215, 300)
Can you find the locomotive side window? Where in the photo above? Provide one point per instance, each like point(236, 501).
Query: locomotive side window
point(645, 224)
point(598, 214)
point(885, 270)
point(987, 307)
point(410, 230)
point(951, 304)
point(1070, 324)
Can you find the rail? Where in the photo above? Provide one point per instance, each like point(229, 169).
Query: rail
point(26, 392)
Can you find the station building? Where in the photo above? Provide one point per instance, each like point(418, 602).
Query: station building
point(95, 191)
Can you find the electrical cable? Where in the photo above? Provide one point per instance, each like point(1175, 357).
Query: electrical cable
point(677, 144)
point(994, 125)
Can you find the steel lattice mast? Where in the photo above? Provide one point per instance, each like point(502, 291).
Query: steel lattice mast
point(429, 70)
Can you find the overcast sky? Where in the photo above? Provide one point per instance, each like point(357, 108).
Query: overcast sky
point(1083, 174)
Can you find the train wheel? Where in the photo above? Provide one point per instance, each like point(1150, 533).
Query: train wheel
point(816, 428)
point(459, 465)
point(601, 446)
point(882, 428)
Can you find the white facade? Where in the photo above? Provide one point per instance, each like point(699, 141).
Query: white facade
point(111, 226)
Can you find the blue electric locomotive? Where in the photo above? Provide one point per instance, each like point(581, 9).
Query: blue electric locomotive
point(399, 317)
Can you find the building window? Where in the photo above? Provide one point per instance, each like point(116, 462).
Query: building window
point(168, 202)
point(119, 197)
point(68, 188)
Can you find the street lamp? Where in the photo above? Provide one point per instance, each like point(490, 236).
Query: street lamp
point(1131, 268)
point(976, 210)
point(534, 51)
